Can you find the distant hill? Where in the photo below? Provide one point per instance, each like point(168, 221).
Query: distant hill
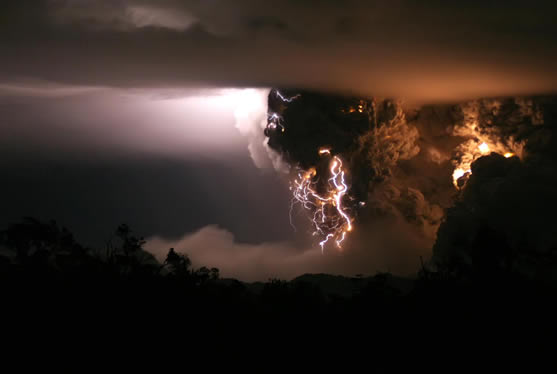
point(348, 286)
point(338, 285)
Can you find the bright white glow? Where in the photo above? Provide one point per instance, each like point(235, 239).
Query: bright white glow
point(457, 174)
point(246, 102)
point(176, 122)
point(484, 148)
point(250, 112)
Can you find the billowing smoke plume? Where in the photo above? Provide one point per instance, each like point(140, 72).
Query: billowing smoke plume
point(371, 137)
point(495, 125)
point(504, 216)
point(480, 165)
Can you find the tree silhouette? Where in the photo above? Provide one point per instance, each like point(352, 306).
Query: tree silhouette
point(178, 264)
point(53, 278)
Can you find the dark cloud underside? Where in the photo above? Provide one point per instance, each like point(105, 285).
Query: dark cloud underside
point(426, 51)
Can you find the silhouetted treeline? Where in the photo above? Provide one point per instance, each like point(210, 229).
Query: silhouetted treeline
point(48, 280)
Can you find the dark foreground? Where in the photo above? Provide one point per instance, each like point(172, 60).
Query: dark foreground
point(60, 296)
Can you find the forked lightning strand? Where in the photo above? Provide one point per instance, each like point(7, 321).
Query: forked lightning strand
point(286, 99)
point(275, 120)
point(329, 217)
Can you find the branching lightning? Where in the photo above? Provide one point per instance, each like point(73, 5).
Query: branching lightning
point(286, 99)
point(275, 120)
point(329, 217)
point(323, 199)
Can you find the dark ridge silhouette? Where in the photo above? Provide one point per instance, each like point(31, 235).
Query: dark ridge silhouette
point(52, 285)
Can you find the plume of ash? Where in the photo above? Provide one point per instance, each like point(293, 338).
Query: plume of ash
point(390, 139)
point(372, 136)
point(315, 134)
point(406, 204)
point(504, 216)
point(400, 164)
point(492, 125)
point(393, 141)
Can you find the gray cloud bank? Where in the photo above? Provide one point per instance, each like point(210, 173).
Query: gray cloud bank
point(387, 245)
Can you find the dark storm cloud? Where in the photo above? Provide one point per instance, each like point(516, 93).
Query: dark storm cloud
point(422, 50)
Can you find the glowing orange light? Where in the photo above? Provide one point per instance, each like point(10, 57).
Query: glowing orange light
point(480, 142)
point(457, 173)
point(484, 148)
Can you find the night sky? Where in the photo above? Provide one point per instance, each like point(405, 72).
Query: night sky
point(153, 114)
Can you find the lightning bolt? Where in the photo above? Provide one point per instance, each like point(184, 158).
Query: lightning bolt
point(275, 121)
point(286, 99)
point(329, 217)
